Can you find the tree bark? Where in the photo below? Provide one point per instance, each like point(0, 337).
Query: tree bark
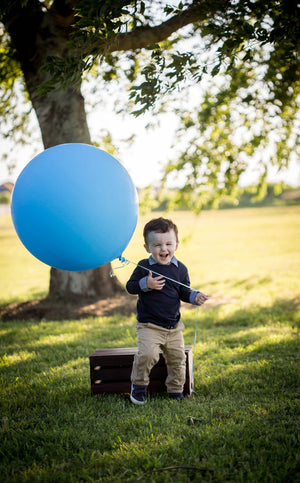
point(87, 283)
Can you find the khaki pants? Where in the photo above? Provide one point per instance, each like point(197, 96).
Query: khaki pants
point(151, 340)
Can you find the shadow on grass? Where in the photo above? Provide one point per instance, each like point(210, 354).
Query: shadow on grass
point(282, 311)
point(251, 282)
point(30, 347)
point(241, 425)
point(246, 282)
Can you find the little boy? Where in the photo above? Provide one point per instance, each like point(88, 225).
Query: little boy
point(158, 316)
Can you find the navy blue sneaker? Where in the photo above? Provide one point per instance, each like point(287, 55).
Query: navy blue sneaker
point(176, 395)
point(138, 394)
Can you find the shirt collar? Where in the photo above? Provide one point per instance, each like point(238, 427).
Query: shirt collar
point(174, 260)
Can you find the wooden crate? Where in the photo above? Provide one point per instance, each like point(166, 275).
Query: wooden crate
point(110, 371)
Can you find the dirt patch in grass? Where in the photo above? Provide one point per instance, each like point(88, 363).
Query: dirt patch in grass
point(54, 309)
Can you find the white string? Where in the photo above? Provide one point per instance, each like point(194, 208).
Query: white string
point(126, 262)
point(194, 350)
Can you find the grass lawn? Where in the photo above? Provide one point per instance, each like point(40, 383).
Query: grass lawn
point(241, 425)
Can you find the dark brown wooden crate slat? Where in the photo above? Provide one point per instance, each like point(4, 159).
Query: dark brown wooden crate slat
point(123, 387)
point(110, 371)
point(123, 373)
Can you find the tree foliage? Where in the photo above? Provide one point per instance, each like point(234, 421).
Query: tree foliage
point(235, 32)
point(237, 122)
point(248, 50)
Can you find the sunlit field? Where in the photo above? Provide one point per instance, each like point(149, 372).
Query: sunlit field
point(246, 256)
point(242, 422)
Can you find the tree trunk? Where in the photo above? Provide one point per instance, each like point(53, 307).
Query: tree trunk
point(87, 283)
point(62, 119)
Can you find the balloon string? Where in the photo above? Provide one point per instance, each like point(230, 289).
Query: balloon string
point(194, 351)
point(125, 262)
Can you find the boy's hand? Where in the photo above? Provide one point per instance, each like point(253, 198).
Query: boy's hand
point(201, 298)
point(156, 283)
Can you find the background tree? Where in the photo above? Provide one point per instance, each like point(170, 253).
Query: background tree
point(52, 45)
point(238, 125)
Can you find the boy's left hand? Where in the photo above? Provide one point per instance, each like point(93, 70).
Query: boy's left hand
point(201, 298)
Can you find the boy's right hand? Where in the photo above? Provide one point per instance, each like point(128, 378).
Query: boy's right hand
point(156, 283)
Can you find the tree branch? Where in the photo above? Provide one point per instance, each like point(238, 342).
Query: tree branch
point(143, 36)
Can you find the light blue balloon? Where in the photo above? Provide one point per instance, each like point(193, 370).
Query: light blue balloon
point(74, 207)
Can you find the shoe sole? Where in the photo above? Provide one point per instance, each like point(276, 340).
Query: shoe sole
point(135, 401)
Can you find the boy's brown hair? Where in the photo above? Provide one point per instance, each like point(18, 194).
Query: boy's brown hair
point(159, 225)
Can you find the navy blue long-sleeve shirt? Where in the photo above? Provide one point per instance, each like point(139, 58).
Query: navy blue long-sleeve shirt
point(160, 307)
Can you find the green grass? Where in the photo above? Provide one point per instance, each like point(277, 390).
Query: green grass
point(22, 276)
point(241, 425)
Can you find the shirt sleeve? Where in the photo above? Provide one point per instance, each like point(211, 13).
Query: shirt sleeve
point(143, 284)
point(193, 296)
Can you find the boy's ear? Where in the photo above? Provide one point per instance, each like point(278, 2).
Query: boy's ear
point(147, 248)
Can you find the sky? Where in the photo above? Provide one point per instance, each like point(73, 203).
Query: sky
point(150, 150)
point(142, 160)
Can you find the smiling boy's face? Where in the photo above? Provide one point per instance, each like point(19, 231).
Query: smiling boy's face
point(162, 246)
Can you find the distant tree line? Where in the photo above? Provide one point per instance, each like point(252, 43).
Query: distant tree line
point(275, 194)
